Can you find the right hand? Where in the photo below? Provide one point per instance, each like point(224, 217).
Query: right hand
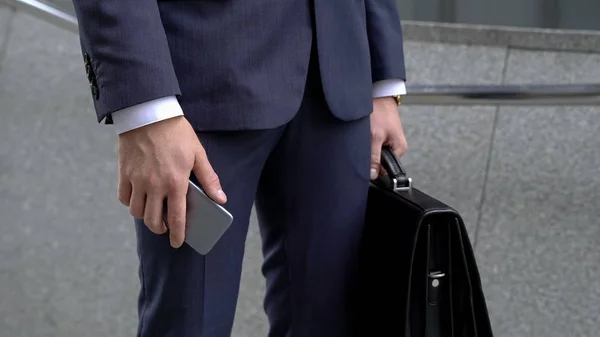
point(155, 162)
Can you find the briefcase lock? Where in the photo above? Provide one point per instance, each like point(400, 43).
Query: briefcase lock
point(434, 286)
point(397, 187)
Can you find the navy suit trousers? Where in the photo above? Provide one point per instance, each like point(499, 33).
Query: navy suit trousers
point(309, 181)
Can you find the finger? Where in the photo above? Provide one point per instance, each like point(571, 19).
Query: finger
point(124, 191)
point(176, 208)
point(208, 178)
point(153, 213)
point(137, 203)
point(376, 145)
point(382, 171)
point(399, 144)
point(399, 148)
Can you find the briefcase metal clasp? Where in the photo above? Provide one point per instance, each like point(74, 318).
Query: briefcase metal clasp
point(398, 188)
point(434, 286)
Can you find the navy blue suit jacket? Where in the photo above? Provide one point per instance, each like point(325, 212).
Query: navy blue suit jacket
point(238, 64)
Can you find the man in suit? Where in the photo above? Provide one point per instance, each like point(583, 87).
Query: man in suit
point(284, 104)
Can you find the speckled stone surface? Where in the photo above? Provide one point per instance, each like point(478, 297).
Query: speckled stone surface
point(65, 5)
point(448, 145)
point(68, 253)
point(5, 22)
point(250, 318)
point(517, 37)
point(539, 239)
point(473, 34)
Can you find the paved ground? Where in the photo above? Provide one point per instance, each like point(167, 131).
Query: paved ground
point(526, 180)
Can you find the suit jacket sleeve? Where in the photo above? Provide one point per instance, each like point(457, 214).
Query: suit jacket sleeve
point(385, 40)
point(126, 53)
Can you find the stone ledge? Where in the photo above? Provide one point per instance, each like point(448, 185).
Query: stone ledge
point(519, 37)
point(474, 34)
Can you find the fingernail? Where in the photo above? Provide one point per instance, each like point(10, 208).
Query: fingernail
point(221, 194)
point(373, 174)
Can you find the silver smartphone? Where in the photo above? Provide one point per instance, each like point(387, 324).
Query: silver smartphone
point(206, 221)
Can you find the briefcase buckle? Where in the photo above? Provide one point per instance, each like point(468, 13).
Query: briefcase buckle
point(434, 287)
point(398, 188)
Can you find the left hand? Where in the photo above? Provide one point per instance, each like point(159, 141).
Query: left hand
point(386, 130)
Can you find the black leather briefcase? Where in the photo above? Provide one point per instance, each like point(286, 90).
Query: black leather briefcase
point(417, 274)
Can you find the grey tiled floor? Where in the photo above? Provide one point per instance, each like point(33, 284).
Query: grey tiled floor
point(68, 265)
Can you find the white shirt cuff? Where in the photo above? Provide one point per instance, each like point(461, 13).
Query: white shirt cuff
point(163, 108)
point(146, 113)
point(387, 88)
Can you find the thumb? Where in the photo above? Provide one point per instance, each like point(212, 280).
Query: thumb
point(208, 178)
point(375, 159)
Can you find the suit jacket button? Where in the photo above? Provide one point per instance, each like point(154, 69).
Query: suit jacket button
point(89, 72)
point(95, 91)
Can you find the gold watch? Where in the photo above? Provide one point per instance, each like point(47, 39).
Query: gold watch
point(398, 99)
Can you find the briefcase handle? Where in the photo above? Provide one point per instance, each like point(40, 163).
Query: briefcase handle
point(396, 172)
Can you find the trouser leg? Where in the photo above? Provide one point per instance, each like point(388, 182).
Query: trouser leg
point(311, 203)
